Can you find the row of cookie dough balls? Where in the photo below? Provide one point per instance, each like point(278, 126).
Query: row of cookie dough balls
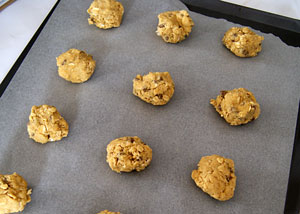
point(237, 107)
point(215, 174)
point(175, 26)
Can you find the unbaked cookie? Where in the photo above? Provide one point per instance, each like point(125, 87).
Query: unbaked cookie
point(126, 154)
point(45, 124)
point(155, 88)
point(242, 41)
point(237, 106)
point(108, 212)
point(106, 13)
point(14, 194)
point(75, 66)
point(174, 26)
point(215, 176)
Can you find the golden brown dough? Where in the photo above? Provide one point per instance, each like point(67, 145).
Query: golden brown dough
point(174, 26)
point(14, 194)
point(155, 88)
point(108, 212)
point(242, 41)
point(126, 154)
point(106, 13)
point(237, 106)
point(45, 124)
point(215, 176)
point(75, 66)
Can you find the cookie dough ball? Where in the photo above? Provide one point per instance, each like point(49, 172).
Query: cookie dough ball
point(14, 194)
point(155, 88)
point(242, 41)
point(126, 154)
point(215, 176)
point(45, 124)
point(108, 212)
point(106, 13)
point(237, 106)
point(174, 26)
point(75, 66)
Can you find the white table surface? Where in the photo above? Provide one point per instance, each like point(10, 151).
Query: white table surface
point(21, 19)
point(18, 23)
point(288, 8)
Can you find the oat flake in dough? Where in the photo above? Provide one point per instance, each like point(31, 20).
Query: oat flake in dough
point(106, 14)
point(237, 106)
point(75, 66)
point(155, 88)
point(174, 26)
point(242, 42)
point(215, 176)
point(126, 154)
point(14, 194)
point(46, 124)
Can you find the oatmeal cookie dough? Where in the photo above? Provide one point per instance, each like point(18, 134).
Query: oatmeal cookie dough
point(126, 154)
point(14, 194)
point(237, 106)
point(215, 176)
point(155, 88)
point(242, 41)
point(45, 124)
point(174, 26)
point(75, 66)
point(106, 13)
point(108, 212)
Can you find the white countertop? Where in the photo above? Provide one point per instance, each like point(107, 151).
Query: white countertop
point(288, 8)
point(20, 21)
point(22, 18)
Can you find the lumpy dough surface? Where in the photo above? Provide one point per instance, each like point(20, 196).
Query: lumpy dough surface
point(14, 194)
point(215, 176)
point(174, 26)
point(46, 124)
point(106, 13)
point(237, 106)
point(155, 88)
point(242, 41)
point(75, 66)
point(126, 154)
point(108, 212)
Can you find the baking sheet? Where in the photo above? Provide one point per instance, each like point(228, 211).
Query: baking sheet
point(72, 176)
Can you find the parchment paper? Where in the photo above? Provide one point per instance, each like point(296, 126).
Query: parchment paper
point(72, 176)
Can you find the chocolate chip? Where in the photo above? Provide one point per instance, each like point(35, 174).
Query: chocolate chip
point(223, 93)
point(161, 25)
